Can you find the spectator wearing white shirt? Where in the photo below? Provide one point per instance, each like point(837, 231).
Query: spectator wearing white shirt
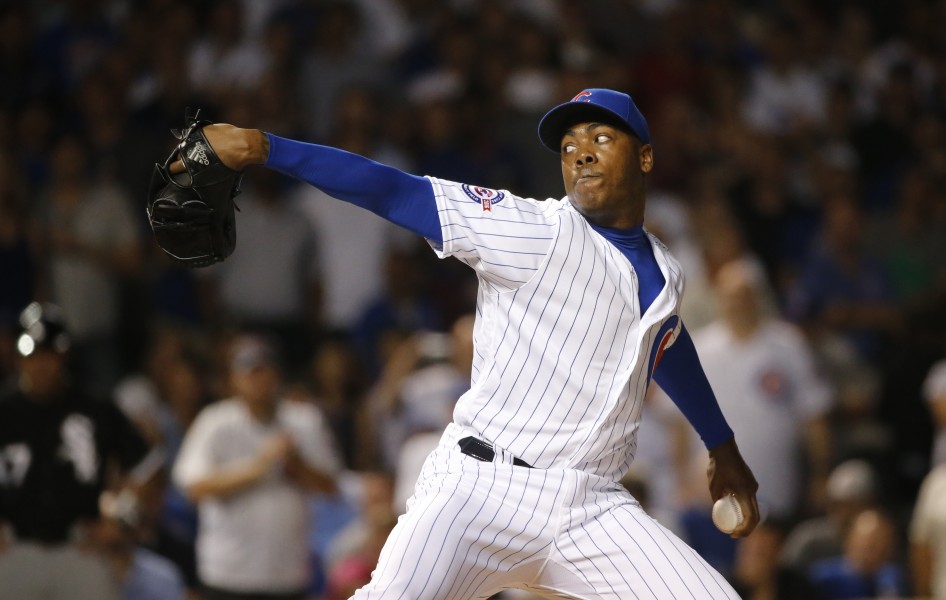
point(928, 536)
point(248, 462)
point(763, 373)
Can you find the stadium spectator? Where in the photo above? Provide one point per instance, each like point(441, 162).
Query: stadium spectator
point(357, 122)
point(424, 401)
point(335, 58)
point(163, 399)
point(928, 536)
point(785, 96)
point(140, 573)
point(60, 449)
point(90, 239)
point(866, 569)
point(223, 60)
point(852, 488)
point(246, 293)
point(842, 290)
point(359, 543)
point(758, 573)
point(403, 307)
point(768, 386)
point(421, 382)
point(335, 382)
point(248, 462)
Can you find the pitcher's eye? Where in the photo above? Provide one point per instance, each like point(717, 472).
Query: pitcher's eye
point(602, 138)
point(568, 148)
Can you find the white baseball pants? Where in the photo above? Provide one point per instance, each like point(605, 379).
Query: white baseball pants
point(474, 528)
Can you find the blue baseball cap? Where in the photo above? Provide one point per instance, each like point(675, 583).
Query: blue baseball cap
point(590, 104)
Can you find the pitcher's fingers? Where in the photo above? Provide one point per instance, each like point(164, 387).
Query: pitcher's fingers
point(176, 167)
point(750, 516)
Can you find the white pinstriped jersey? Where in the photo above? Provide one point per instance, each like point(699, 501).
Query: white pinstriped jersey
point(562, 355)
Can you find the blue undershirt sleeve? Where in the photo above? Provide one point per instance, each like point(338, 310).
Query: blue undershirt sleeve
point(681, 376)
point(404, 199)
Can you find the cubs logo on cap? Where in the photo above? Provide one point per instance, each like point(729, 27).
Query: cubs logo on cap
point(591, 104)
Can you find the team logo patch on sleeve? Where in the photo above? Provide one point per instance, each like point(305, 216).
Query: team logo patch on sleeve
point(484, 196)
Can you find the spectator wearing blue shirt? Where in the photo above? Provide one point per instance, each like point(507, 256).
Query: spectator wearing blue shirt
point(866, 568)
point(152, 577)
point(140, 573)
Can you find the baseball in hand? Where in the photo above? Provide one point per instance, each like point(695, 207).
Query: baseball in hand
point(727, 514)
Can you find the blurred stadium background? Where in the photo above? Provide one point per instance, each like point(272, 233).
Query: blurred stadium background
point(806, 137)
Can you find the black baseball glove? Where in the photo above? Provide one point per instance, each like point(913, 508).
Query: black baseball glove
point(192, 213)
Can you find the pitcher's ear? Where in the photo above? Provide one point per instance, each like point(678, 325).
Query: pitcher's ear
point(646, 158)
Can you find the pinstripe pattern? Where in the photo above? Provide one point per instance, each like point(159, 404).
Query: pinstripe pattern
point(473, 529)
point(561, 351)
point(560, 368)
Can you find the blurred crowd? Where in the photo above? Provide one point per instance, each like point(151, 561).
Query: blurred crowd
point(800, 177)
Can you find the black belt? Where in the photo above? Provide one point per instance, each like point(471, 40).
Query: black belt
point(480, 450)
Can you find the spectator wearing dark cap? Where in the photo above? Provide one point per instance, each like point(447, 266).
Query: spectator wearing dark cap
point(248, 462)
point(852, 487)
point(58, 453)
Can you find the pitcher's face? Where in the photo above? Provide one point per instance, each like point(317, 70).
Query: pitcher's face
point(603, 169)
